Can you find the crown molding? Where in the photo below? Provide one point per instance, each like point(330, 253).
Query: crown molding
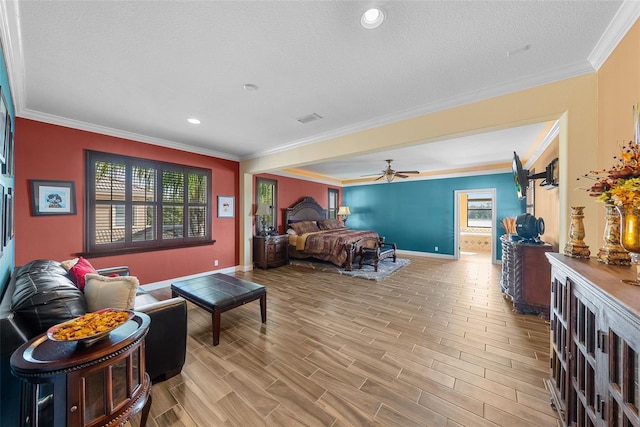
point(103, 130)
point(11, 35)
point(621, 23)
point(544, 144)
point(551, 76)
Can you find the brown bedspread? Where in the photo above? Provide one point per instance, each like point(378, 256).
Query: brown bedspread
point(329, 245)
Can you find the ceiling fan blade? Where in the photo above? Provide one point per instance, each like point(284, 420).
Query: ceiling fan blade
point(399, 175)
point(407, 172)
point(371, 174)
point(380, 177)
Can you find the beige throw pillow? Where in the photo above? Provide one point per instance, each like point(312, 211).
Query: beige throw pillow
point(68, 263)
point(110, 292)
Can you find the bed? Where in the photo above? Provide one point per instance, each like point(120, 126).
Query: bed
point(313, 235)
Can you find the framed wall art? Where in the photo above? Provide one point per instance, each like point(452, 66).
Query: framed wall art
point(9, 164)
point(4, 124)
point(8, 217)
point(4, 218)
point(226, 206)
point(53, 197)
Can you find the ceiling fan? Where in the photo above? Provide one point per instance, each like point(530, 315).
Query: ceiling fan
point(389, 174)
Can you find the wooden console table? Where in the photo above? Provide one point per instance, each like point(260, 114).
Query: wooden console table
point(595, 344)
point(72, 384)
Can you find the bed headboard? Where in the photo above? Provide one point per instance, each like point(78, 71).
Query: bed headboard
point(307, 209)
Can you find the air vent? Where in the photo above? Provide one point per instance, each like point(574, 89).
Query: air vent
point(309, 118)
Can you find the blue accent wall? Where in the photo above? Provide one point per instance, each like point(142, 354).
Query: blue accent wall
point(7, 261)
point(419, 215)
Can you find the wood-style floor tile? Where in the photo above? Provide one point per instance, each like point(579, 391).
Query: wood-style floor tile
point(435, 344)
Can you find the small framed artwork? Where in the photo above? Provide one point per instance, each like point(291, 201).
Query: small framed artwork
point(226, 206)
point(53, 197)
point(4, 116)
point(9, 164)
point(8, 218)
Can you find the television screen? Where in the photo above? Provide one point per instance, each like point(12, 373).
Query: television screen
point(520, 177)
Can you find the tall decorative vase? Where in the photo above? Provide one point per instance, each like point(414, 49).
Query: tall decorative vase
point(612, 252)
point(576, 247)
point(630, 236)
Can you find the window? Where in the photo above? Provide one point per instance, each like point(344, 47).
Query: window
point(266, 193)
point(333, 203)
point(479, 209)
point(136, 204)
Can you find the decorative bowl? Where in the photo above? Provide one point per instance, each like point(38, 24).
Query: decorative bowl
point(90, 327)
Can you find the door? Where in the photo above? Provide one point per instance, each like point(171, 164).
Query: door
point(475, 224)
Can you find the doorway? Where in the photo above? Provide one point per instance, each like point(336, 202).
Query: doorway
point(475, 225)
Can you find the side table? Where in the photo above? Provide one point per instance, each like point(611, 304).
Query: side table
point(78, 385)
point(270, 251)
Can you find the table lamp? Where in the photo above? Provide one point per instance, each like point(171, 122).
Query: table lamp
point(343, 213)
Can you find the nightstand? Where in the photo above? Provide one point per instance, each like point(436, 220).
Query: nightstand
point(270, 251)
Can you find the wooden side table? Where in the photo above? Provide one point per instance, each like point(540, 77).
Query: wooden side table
point(72, 384)
point(270, 251)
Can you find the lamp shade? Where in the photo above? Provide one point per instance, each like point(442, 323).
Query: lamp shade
point(344, 210)
point(263, 209)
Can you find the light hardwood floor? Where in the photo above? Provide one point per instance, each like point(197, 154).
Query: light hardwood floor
point(435, 344)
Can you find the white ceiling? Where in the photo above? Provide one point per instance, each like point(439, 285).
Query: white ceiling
point(139, 69)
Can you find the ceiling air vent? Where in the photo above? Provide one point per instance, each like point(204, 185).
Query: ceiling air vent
point(309, 118)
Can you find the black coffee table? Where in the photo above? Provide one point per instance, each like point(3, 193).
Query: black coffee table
point(219, 292)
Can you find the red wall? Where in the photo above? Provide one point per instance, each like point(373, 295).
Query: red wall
point(291, 190)
point(51, 152)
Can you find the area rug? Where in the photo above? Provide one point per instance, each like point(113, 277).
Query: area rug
point(385, 268)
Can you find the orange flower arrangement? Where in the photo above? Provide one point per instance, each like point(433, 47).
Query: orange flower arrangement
point(619, 185)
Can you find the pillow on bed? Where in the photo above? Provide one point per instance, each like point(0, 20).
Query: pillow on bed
point(303, 227)
point(291, 231)
point(330, 224)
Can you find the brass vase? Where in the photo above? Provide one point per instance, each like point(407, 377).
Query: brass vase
point(576, 247)
point(612, 253)
point(630, 236)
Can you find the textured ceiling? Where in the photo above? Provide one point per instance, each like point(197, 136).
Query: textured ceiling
point(139, 69)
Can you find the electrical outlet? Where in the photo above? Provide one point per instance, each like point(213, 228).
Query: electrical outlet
point(215, 263)
point(436, 249)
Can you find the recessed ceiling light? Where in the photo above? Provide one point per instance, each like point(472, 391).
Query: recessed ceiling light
point(193, 121)
point(250, 87)
point(372, 18)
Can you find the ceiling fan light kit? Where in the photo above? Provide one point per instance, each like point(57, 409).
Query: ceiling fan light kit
point(389, 174)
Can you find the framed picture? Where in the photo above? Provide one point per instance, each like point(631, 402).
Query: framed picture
point(8, 218)
point(226, 206)
point(4, 218)
point(4, 123)
point(9, 164)
point(53, 197)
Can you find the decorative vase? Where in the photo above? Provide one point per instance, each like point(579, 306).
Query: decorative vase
point(630, 236)
point(576, 247)
point(612, 252)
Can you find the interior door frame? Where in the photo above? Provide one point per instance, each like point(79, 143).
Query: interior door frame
point(456, 245)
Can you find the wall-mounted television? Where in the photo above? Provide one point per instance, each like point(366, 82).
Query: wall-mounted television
point(521, 176)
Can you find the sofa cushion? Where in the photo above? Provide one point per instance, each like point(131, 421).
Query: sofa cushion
point(110, 292)
point(79, 270)
point(45, 296)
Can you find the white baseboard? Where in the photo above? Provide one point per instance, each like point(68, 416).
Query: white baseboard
point(423, 254)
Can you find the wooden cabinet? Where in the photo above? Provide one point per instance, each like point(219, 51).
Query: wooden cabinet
point(526, 276)
point(74, 384)
point(595, 343)
point(270, 251)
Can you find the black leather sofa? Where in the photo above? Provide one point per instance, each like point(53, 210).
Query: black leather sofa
point(48, 296)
